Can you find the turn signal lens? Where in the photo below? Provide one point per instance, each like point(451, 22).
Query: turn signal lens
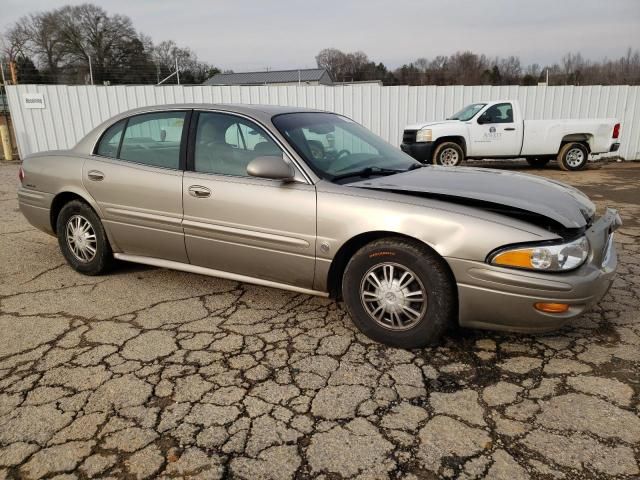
point(616, 131)
point(514, 258)
point(21, 175)
point(550, 258)
point(552, 307)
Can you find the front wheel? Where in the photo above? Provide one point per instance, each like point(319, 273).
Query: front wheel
point(82, 239)
point(448, 154)
point(538, 162)
point(400, 293)
point(573, 156)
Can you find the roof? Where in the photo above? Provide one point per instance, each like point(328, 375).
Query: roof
point(273, 76)
point(261, 113)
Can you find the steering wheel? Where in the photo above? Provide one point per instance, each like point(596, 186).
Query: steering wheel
point(335, 157)
point(341, 153)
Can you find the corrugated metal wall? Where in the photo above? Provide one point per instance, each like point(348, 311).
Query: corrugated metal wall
point(72, 111)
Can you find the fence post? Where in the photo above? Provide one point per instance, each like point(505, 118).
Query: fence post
point(5, 136)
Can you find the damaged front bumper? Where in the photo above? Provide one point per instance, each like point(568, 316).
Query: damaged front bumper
point(503, 299)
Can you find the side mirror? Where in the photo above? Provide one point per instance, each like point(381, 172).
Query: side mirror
point(271, 167)
point(482, 119)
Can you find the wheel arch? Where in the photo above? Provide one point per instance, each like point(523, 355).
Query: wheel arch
point(583, 138)
point(351, 246)
point(65, 196)
point(458, 139)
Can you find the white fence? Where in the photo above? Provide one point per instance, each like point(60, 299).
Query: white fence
point(71, 111)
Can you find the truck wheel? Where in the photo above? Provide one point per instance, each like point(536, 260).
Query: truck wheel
point(448, 154)
point(573, 156)
point(538, 162)
point(400, 293)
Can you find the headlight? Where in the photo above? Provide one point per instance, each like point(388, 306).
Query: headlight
point(547, 258)
point(423, 135)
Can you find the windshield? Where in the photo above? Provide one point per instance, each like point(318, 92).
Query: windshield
point(336, 147)
point(468, 112)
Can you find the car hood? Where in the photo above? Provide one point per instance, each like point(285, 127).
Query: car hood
point(553, 200)
point(418, 126)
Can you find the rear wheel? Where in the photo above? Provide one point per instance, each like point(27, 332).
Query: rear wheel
point(573, 156)
point(538, 162)
point(399, 293)
point(82, 239)
point(448, 154)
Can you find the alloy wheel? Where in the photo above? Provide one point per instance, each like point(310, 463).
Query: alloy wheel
point(81, 238)
point(393, 296)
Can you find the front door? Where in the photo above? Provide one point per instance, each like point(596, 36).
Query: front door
point(136, 179)
point(495, 133)
point(240, 224)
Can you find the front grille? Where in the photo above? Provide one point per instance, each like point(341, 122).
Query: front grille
point(409, 136)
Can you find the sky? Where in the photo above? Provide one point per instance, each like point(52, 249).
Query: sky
point(248, 35)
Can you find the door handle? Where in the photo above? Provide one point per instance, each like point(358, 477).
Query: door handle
point(199, 191)
point(95, 175)
point(509, 129)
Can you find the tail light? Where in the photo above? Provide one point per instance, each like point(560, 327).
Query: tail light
point(21, 175)
point(616, 131)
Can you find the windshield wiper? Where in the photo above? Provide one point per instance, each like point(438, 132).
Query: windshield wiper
point(367, 172)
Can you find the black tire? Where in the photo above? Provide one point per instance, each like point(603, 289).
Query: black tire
point(442, 155)
point(434, 276)
point(573, 156)
point(102, 259)
point(538, 162)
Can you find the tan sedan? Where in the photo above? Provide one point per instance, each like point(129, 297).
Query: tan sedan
point(313, 202)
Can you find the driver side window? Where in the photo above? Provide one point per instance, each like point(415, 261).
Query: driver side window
point(226, 144)
point(498, 113)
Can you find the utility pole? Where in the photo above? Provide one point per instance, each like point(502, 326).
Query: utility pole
point(547, 76)
point(299, 79)
point(90, 69)
point(177, 72)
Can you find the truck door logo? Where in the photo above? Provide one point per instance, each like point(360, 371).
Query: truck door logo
point(491, 135)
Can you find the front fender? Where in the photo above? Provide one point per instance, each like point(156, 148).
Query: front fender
point(451, 230)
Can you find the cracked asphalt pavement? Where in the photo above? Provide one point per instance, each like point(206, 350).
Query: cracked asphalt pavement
point(150, 373)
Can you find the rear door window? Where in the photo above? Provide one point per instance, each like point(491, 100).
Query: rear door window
point(154, 139)
point(110, 141)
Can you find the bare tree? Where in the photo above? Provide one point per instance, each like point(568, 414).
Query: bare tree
point(89, 34)
point(45, 41)
point(192, 70)
point(333, 61)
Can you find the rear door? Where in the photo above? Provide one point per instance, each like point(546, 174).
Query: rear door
point(241, 224)
point(496, 132)
point(135, 176)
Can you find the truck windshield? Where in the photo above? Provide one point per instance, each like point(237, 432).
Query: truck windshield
point(338, 149)
point(468, 112)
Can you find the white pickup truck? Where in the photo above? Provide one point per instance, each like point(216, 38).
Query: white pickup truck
point(497, 130)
